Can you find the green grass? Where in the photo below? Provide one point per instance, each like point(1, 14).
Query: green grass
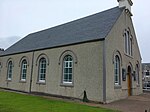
point(14, 102)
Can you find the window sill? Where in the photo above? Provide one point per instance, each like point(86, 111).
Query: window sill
point(41, 83)
point(117, 87)
point(67, 84)
point(22, 81)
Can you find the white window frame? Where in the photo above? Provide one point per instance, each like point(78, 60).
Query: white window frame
point(24, 70)
point(128, 43)
point(117, 70)
point(68, 69)
point(42, 70)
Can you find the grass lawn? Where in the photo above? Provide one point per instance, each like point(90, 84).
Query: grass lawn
point(14, 102)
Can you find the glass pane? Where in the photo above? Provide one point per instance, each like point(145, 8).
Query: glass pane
point(66, 64)
point(44, 71)
point(70, 64)
point(116, 78)
point(70, 76)
point(65, 76)
point(44, 66)
point(116, 71)
point(70, 70)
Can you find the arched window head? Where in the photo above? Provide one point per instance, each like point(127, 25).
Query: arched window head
point(117, 70)
point(42, 70)
point(23, 70)
point(9, 71)
point(67, 69)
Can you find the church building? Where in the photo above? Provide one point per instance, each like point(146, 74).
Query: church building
point(97, 54)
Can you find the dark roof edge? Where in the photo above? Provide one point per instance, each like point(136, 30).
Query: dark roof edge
point(102, 39)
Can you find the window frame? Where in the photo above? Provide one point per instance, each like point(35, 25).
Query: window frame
point(147, 73)
point(67, 70)
point(42, 70)
point(10, 70)
point(23, 74)
point(128, 43)
point(117, 71)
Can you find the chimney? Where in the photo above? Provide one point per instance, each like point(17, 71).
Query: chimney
point(1, 50)
point(127, 4)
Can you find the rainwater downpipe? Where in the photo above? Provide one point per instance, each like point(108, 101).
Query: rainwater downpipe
point(104, 72)
point(32, 63)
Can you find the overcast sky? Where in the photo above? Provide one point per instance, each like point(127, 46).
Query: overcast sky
point(18, 18)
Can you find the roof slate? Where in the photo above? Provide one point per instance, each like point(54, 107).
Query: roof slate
point(94, 27)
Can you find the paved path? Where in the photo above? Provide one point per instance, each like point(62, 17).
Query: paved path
point(132, 104)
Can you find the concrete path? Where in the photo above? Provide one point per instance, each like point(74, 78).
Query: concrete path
point(138, 103)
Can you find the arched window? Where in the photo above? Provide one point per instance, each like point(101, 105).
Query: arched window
point(117, 70)
point(67, 69)
point(9, 71)
point(42, 70)
point(128, 43)
point(137, 74)
point(23, 70)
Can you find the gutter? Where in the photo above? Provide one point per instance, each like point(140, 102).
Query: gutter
point(52, 47)
point(104, 72)
point(30, 87)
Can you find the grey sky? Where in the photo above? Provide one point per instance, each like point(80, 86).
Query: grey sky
point(18, 18)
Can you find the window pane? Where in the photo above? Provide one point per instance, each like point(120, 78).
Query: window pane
point(66, 64)
point(70, 64)
point(65, 76)
point(147, 73)
point(70, 77)
point(70, 70)
point(66, 70)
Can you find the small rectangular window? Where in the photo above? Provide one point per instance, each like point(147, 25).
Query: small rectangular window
point(147, 73)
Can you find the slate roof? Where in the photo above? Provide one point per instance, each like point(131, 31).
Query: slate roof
point(90, 28)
